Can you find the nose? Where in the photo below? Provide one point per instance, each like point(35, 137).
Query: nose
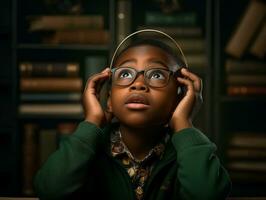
point(139, 83)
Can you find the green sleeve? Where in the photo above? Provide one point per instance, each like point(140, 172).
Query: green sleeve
point(200, 173)
point(65, 170)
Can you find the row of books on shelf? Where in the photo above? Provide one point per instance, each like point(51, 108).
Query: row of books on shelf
point(184, 28)
point(50, 88)
point(38, 143)
point(245, 69)
point(246, 157)
point(250, 33)
point(55, 88)
point(70, 29)
point(245, 77)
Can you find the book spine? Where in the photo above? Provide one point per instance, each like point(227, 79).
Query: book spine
point(259, 46)
point(41, 23)
point(233, 66)
point(50, 97)
point(47, 144)
point(248, 177)
point(66, 128)
point(246, 80)
point(245, 165)
point(246, 90)
point(198, 60)
point(248, 140)
point(247, 27)
point(41, 69)
point(176, 32)
point(29, 158)
point(189, 45)
point(50, 84)
point(51, 109)
point(245, 153)
point(94, 65)
point(96, 37)
point(181, 19)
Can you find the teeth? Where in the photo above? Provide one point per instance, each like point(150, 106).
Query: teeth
point(137, 101)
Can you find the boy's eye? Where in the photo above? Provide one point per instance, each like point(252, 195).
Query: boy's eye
point(125, 73)
point(157, 74)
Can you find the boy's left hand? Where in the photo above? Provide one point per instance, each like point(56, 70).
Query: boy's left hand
point(189, 105)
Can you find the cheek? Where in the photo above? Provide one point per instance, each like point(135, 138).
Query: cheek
point(116, 100)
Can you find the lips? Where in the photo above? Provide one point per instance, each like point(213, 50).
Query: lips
point(137, 101)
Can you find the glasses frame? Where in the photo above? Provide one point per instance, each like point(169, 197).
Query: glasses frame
point(144, 72)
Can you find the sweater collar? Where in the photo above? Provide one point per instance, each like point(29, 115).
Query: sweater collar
point(169, 153)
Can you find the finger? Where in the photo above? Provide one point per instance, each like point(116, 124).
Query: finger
point(92, 81)
point(197, 82)
point(188, 83)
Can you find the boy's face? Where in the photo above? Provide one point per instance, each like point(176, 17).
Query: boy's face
point(138, 104)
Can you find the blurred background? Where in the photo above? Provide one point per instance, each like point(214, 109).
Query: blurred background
point(48, 49)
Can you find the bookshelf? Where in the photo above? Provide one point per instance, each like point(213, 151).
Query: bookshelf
point(222, 116)
point(19, 45)
point(189, 23)
point(240, 113)
point(8, 146)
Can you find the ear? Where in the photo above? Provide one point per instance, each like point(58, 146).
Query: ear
point(109, 107)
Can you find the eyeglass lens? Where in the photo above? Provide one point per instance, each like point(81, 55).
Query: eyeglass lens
point(155, 77)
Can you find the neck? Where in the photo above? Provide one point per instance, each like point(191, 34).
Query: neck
point(141, 140)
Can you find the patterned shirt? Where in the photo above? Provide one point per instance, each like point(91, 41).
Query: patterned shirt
point(138, 170)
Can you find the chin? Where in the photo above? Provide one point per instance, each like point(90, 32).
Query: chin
point(141, 122)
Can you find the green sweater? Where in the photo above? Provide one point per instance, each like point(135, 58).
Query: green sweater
point(83, 166)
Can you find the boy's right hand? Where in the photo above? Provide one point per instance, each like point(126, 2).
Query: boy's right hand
point(92, 108)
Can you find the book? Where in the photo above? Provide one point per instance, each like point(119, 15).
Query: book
point(51, 84)
point(234, 153)
point(123, 16)
point(47, 144)
point(246, 80)
point(258, 48)
point(247, 165)
point(248, 177)
point(236, 66)
point(94, 64)
point(50, 97)
point(29, 157)
point(55, 69)
point(176, 19)
point(65, 22)
point(66, 128)
point(178, 32)
point(247, 27)
point(248, 139)
point(73, 109)
point(189, 45)
point(85, 36)
point(197, 60)
point(246, 90)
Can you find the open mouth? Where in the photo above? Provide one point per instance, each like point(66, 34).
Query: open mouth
point(137, 101)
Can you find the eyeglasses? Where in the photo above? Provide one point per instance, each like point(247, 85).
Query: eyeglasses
point(154, 77)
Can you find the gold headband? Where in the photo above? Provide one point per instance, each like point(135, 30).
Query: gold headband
point(148, 30)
